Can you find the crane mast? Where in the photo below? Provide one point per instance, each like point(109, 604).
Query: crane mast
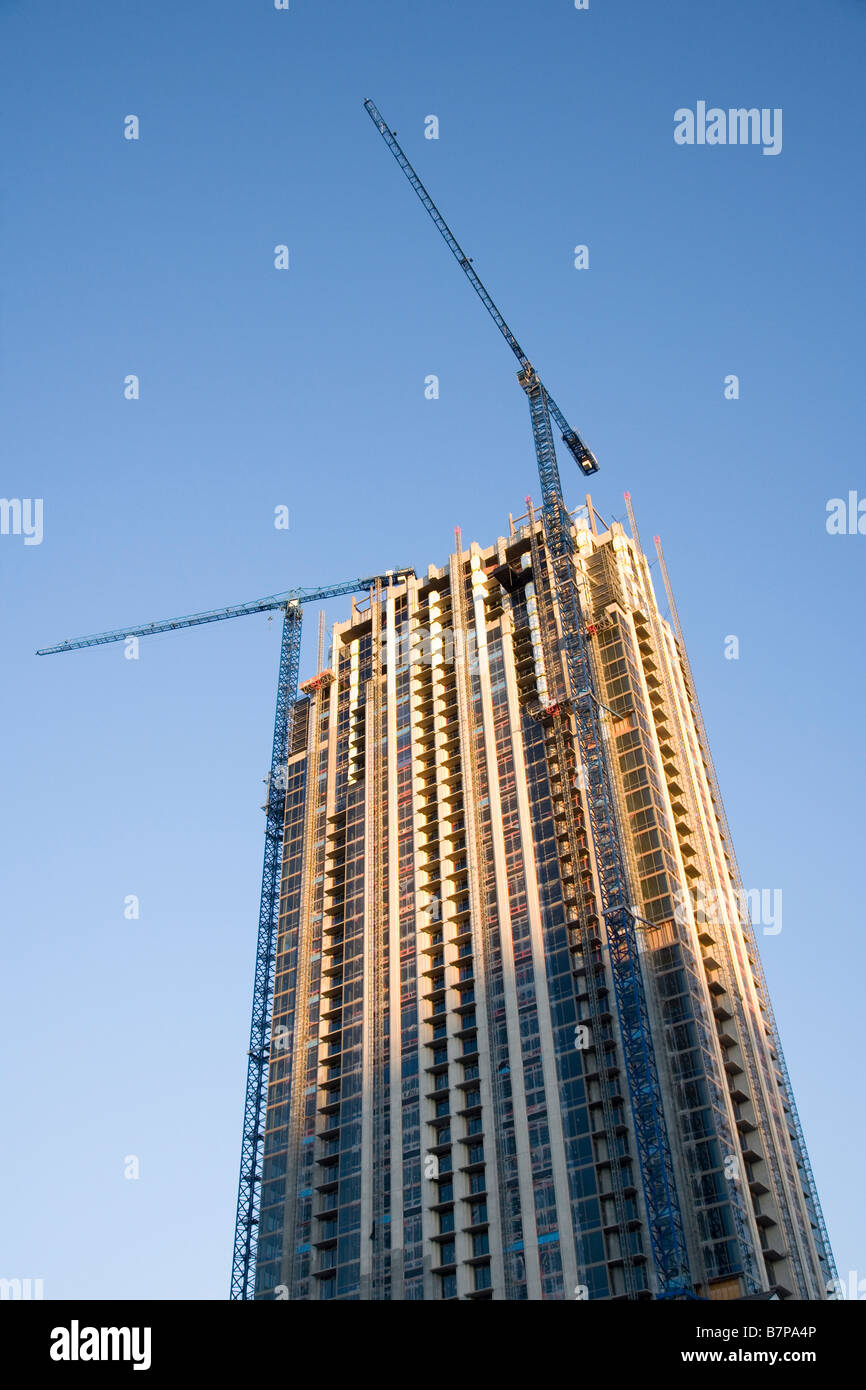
point(243, 1273)
point(667, 1238)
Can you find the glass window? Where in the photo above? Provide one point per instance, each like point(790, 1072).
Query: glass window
point(482, 1277)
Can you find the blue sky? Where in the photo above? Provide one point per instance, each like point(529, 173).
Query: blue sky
point(306, 388)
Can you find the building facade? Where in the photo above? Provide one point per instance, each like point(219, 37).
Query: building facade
point(448, 1112)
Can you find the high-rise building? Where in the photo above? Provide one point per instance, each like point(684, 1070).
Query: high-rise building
point(449, 1110)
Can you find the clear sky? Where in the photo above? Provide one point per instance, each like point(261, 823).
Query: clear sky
point(305, 388)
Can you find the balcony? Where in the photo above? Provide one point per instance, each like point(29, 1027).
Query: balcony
point(440, 1095)
point(772, 1254)
point(326, 1235)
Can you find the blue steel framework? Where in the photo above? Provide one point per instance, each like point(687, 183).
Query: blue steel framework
point(249, 1184)
point(654, 1155)
point(665, 1222)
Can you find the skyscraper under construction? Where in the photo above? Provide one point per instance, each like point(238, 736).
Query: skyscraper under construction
point(472, 1094)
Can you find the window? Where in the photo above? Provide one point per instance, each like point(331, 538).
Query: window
point(449, 1285)
point(446, 1223)
point(481, 1244)
point(478, 1210)
point(477, 1182)
point(472, 1097)
point(446, 1253)
point(482, 1277)
point(476, 1153)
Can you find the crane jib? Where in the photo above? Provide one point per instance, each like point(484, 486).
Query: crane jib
point(582, 455)
point(291, 598)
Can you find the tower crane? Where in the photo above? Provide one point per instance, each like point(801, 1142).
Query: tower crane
point(290, 604)
point(669, 1251)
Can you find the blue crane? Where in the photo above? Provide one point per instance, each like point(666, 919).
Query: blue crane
point(669, 1252)
point(291, 604)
